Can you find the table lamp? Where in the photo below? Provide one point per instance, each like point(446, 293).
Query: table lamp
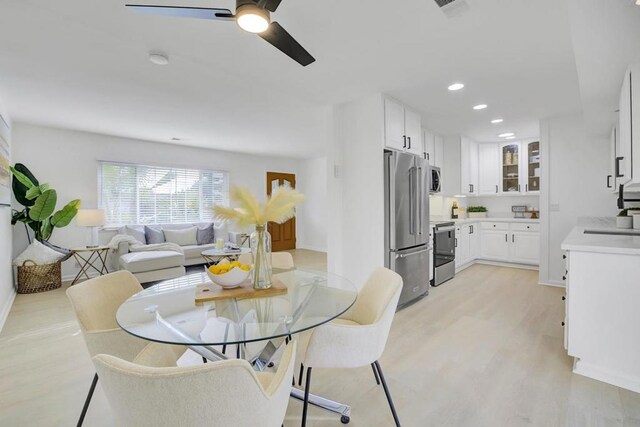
point(92, 219)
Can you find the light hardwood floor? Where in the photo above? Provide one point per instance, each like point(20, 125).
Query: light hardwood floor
point(484, 349)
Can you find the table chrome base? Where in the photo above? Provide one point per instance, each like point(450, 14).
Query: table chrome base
point(321, 402)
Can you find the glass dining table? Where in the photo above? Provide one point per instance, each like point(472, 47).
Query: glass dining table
point(167, 312)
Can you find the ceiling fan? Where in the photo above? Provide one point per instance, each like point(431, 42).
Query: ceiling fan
point(251, 16)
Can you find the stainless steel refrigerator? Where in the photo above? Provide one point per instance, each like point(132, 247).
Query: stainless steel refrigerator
point(406, 196)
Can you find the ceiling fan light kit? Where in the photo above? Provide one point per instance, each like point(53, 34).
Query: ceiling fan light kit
point(251, 16)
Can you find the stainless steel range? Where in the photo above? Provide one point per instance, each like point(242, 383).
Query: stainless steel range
point(444, 252)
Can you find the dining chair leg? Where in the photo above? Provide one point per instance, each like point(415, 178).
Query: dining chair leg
point(306, 398)
point(301, 374)
point(375, 373)
point(386, 391)
point(88, 399)
point(204, 360)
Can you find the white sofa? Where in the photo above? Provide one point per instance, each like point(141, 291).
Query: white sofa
point(150, 266)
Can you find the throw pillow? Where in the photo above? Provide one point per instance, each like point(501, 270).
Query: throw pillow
point(183, 237)
point(153, 235)
point(137, 232)
point(38, 253)
point(205, 235)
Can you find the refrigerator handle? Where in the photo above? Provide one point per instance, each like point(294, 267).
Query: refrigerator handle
point(412, 229)
point(419, 196)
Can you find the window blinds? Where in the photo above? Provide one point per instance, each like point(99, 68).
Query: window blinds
point(140, 194)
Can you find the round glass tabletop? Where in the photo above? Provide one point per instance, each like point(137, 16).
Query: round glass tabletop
point(167, 312)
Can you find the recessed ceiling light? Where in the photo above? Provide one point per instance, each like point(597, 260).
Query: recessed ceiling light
point(456, 86)
point(480, 107)
point(159, 58)
point(506, 134)
point(496, 121)
point(510, 137)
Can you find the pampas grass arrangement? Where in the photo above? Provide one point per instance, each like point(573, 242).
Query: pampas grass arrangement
point(278, 208)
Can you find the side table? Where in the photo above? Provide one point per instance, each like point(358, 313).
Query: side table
point(90, 258)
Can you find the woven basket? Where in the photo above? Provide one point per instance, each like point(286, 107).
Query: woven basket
point(38, 278)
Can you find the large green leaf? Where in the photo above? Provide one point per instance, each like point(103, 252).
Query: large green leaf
point(63, 217)
point(44, 206)
point(19, 189)
point(45, 230)
point(36, 191)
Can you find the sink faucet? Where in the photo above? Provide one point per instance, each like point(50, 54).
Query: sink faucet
point(621, 198)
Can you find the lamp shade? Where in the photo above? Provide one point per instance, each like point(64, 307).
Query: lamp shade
point(90, 217)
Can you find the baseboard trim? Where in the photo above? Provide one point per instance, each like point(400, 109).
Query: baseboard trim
point(312, 248)
point(552, 283)
point(507, 264)
point(4, 314)
point(597, 373)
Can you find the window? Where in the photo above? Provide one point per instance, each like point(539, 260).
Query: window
point(138, 194)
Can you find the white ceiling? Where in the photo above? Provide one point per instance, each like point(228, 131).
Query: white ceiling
point(82, 64)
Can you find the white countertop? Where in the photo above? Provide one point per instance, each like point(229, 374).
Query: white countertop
point(578, 241)
point(468, 220)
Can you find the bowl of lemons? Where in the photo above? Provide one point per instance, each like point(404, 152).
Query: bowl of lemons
point(228, 274)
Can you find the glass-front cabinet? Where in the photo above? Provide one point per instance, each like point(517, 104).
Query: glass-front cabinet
point(510, 173)
point(533, 167)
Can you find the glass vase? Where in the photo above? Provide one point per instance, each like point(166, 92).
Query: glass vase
point(260, 242)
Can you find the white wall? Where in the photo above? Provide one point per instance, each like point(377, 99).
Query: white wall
point(312, 214)
point(7, 290)
point(574, 168)
point(68, 160)
point(356, 202)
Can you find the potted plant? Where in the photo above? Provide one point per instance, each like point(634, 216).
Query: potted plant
point(624, 220)
point(477, 212)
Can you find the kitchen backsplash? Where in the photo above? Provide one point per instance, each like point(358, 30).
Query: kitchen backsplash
point(497, 207)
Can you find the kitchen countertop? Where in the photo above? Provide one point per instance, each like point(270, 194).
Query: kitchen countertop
point(578, 241)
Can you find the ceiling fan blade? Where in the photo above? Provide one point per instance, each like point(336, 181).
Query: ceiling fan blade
point(271, 5)
point(280, 38)
point(183, 12)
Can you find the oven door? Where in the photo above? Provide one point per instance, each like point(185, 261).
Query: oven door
point(444, 246)
point(435, 185)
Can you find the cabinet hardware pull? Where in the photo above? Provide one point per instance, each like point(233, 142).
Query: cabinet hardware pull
point(609, 181)
point(562, 323)
point(564, 277)
point(564, 298)
point(404, 139)
point(506, 238)
point(409, 138)
point(455, 245)
point(513, 238)
point(472, 188)
point(618, 174)
point(526, 188)
point(496, 189)
point(518, 187)
point(564, 256)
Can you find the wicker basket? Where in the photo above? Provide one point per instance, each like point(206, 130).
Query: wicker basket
point(35, 278)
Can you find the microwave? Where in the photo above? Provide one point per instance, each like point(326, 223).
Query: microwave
point(435, 184)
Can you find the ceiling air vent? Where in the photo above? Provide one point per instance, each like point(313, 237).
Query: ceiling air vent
point(452, 8)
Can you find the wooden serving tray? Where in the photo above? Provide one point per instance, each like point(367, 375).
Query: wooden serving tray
point(212, 292)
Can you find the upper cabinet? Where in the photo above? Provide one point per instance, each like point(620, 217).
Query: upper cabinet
point(510, 168)
point(532, 167)
point(623, 160)
point(468, 166)
point(489, 169)
point(402, 128)
point(612, 183)
point(433, 148)
point(439, 147)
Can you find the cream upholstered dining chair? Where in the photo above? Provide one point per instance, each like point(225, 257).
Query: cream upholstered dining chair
point(279, 260)
point(358, 337)
point(223, 393)
point(95, 303)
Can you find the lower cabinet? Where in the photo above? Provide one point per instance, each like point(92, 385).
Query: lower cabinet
point(510, 242)
point(495, 245)
point(525, 247)
point(467, 243)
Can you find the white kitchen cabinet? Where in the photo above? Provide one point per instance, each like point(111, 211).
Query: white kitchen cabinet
point(531, 174)
point(394, 135)
point(624, 163)
point(468, 166)
point(613, 149)
point(463, 244)
point(402, 128)
point(429, 143)
point(525, 247)
point(438, 159)
point(510, 168)
point(495, 245)
point(474, 242)
point(488, 169)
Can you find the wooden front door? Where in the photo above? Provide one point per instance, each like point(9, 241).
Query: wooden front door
point(283, 236)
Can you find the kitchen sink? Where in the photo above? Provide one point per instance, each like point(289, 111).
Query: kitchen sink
point(614, 232)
